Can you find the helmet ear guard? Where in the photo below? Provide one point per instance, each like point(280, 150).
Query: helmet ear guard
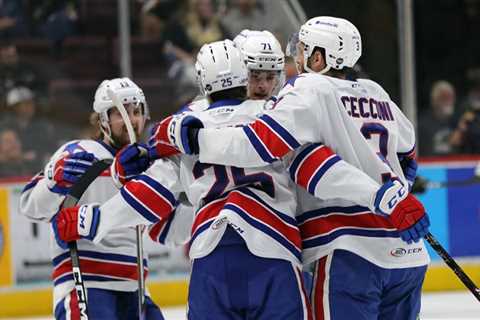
point(338, 37)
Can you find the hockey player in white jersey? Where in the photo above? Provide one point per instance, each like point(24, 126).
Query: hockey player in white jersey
point(370, 257)
point(110, 266)
point(245, 245)
point(265, 61)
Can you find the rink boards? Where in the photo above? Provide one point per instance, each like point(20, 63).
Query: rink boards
point(455, 217)
point(25, 265)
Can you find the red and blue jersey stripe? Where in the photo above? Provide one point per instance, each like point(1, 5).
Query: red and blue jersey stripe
point(257, 213)
point(159, 231)
point(206, 215)
point(33, 182)
point(149, 198)
point(408, 154)
point(269, 138)
point(311, 164)
point(321, 226)
point(97, 266)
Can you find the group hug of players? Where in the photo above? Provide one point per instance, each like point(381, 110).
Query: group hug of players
point(259, 186)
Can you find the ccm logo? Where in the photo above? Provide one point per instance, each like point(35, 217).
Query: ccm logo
point(396, 197)
point(400, 252)
point(83, 216)
point(216, 225)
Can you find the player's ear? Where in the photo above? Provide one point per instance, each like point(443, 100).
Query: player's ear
point(317, 61)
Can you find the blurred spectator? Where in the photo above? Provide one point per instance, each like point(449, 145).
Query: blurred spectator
point(14, 162)
point(15, 72)
point(13, 23)
point(198, 25)
point(154, 15)
point(290, 53)
point(36, 134)
point(436, 125)
point(195, 27)
point(56, 20)
point(245, 14)
point(466, 136)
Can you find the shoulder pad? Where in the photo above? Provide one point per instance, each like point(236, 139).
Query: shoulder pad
point(372, 85)
point(97, 148)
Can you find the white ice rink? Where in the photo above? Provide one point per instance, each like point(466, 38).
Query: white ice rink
point(435, 306)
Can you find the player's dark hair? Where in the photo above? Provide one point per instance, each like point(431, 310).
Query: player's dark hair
point(342, 74)
point(233, 93)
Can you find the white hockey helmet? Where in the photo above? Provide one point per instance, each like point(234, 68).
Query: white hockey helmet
point(220, 67)
point(339, 37)
point(241, 37)
point(239, 40)
point(262, 51)
point(126, 90)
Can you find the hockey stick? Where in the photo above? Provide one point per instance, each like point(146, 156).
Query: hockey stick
point(71, 200)
point(456, 183)
point(422, 185)
point(139, 232)
point(453, 265)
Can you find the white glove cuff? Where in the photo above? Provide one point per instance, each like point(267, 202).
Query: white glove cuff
point(85, 219)
point(114, 174)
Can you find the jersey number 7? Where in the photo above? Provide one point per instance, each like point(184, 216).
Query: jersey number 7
point(370, 128)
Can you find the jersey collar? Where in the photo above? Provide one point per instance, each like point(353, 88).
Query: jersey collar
point(110, 149)
point(226, 102)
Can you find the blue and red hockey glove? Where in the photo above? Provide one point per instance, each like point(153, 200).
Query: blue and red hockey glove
point(403, 209)
point(180, 132)
point(78, 222)
point(65, 170)
point(129, 162)
point(158, 147)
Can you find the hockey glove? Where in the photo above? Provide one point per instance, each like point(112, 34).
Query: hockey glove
point(405, 212)
point(409, 168)
point(159, 149)
point(180, 131)
point(129, 162)
point(64, 171)
point(79, 222)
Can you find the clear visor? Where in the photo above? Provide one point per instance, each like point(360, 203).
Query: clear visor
point(263, 75)
point(291, 49)
point(136, 108)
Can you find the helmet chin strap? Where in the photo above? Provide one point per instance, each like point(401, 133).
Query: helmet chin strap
point(106, 130)
point(108, 134)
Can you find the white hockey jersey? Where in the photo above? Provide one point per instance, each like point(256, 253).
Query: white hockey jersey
point(360, 123)
point(112, 262)
point(259, 203)
point(200, 103)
